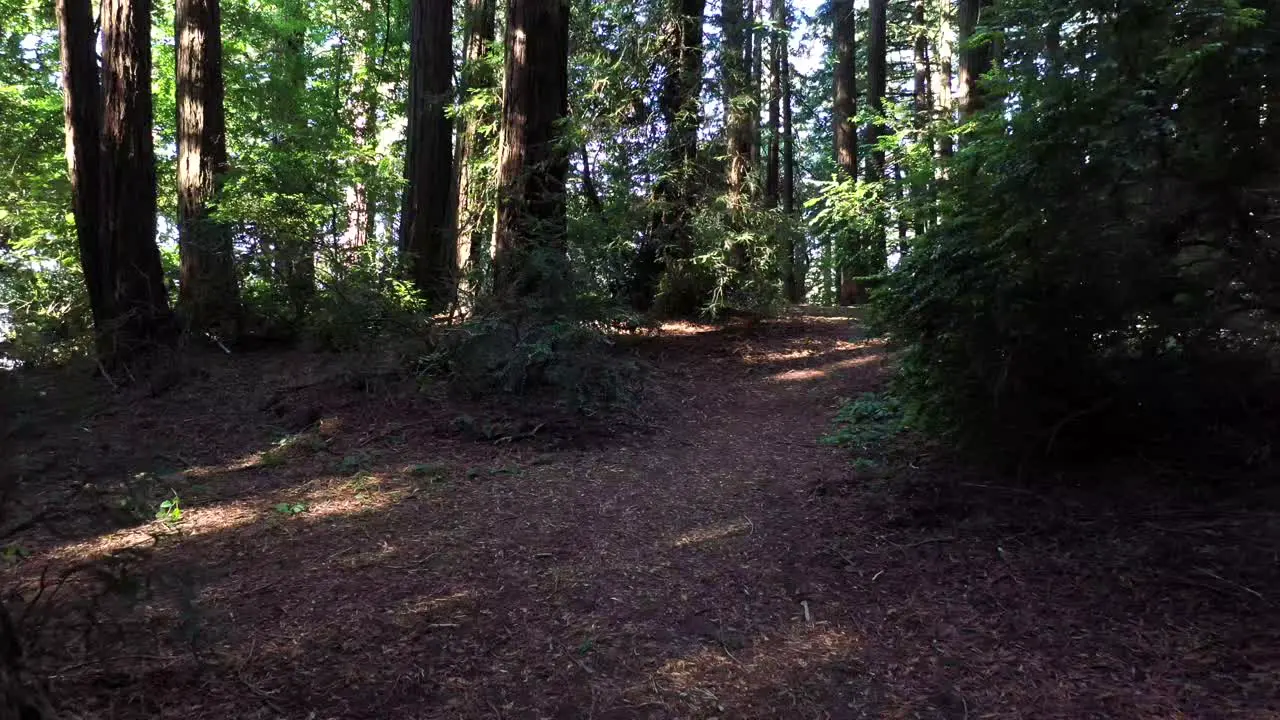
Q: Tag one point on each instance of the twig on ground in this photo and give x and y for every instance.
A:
(1209, 573)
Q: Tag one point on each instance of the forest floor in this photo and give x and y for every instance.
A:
(354, 545)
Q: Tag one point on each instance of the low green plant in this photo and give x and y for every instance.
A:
(290, 509)
(867, 425)
(170, 510)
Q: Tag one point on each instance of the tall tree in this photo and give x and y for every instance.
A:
(82, 106)
(758, 40)
(975, 57)
(668, 241)
(427, 221)
(777, 59)
(529, 234)
(208, 296)
(793, 279)
(843, 117)
(922, 103)
(845, 81)
(140, 318)
(942, 79)
(363, 107)
(735, 75)
(474, 142)
(877, 79)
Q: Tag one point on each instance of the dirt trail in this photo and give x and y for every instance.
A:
(717, 561)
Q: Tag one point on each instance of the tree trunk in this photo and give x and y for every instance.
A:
(943, 98)
(529, 235)
(777, 16)
(82, 106)
(922, 105)
(589, 189)
(975, 61)
(845, 106)
(735, 76)
(363, 106)
(757, 81)
(844, 114)
(668, 243)
(877, 77)
(473, 181)
(207, 292)
(793, 281)
(140, 319)
(427, 222)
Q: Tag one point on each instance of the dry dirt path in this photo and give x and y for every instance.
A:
(718, 562)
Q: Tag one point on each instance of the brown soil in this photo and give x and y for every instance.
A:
(405, 554)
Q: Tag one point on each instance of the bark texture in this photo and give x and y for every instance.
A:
(208, 295)
(140, 318)
(427, 222)
(82, 106)
(845, 107)
(975, 60)
(737, 99)
(529, 234)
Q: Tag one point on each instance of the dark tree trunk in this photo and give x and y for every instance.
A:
(529, 236)
(668, 242)
(877, 77)
(735, 76)
(589, 189)
(777, 15)
(82, 105)
(845, 108)
(140, 320)
(844, 114)
(474, 214)
(207, 293)
(427, 222)
(922, 102)
(757, 79)
(975, 61)
(793, 281)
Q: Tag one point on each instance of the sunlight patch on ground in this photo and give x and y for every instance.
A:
(806, 374)
(718, 531)
(718, 679)
(195, 521)
(685, 328)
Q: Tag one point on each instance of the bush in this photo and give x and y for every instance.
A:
(1106, 266)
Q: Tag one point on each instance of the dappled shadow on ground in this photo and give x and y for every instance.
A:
(706, 557)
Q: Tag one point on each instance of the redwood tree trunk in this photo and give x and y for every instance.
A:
(82, 106)
(845, 108)
(974, 61)
(140, 318)
(427, 222)
(474, 215)
(735, 78)
(922, 103)
(793, 280)
(777, 15)
(208, 295)
(877, 77)
(529, 236)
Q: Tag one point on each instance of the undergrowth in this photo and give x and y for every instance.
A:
(867, 426)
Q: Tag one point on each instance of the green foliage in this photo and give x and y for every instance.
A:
(170, 510)
(290, 509)
(1108, 252)
(867, 425)
(520, 354)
